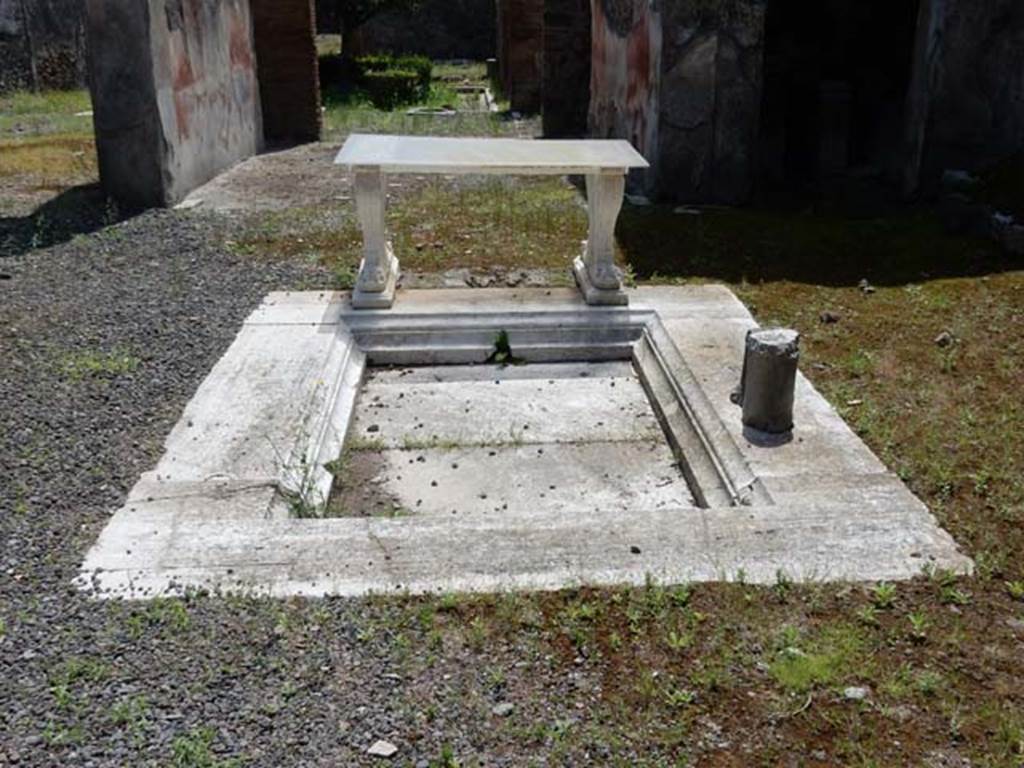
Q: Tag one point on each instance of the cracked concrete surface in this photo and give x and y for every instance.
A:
(486, 439)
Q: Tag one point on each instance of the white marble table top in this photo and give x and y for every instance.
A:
(430, 154)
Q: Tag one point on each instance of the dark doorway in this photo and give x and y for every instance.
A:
(835, 84)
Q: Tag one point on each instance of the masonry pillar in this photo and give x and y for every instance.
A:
(521, 52)
(286, 58)
(566, 89)
(175, 95)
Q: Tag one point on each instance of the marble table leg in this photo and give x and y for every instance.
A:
(598, 277)
(378, 272)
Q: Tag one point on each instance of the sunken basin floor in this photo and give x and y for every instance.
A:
(502, 440)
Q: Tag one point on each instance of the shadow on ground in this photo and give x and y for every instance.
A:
(76, 211)
(755, 245)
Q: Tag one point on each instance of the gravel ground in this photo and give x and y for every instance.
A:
(103, 340)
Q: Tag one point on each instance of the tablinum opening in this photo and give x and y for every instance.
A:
(836, 75)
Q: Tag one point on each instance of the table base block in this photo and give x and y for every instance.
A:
(377, 299)
(591, 293)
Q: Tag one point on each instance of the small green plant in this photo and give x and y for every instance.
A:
(447, 759)
(928, 682)
(193, 750)
(345, 275)
(919, 626)
(868, 615)
(301, 492)
(66, 676)
(677, 698)
(449, 602)
(131, 713)
(860, 363)
(948, 359)
(953, 596)
(477, 634)
(829, 656)
(949, 594)
(502, 354)
(678, 641)
(1010, 736)
(1014, 588)
(681, 595)
(783, 585)
(883, 596)
(170, 612)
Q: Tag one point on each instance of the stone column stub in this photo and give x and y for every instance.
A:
(768, 382)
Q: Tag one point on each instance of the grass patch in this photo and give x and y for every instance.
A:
(51, 162)
(90, 363)
(471, 72)
(45, 102)
(481, 224)
(831, 654)
(348, 111)
(27, 114)
(342, 118)
(747, 245)
(195, 750)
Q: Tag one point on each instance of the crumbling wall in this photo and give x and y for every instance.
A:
(175, 94)
(682, 81)
(288, 70)
(566, 88)
(625, 79)
(42, 44)
(977, 95)
(712, 69)
(521, 52)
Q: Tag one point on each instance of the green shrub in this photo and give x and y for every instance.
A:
(390, 88)
(377, 62)
(422, 66)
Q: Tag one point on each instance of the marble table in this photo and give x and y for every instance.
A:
(604, 163)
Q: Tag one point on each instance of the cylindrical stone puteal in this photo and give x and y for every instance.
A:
(768, 385)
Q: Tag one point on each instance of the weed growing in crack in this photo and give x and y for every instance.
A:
(502, 354)
(300, 489)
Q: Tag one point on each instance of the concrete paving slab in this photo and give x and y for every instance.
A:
(426, 374)
(260, 406)
(713, 350)
(566, 478)
(299, 308)
(882, 490)
(711, 302)
(503, 410)
(547, 550)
